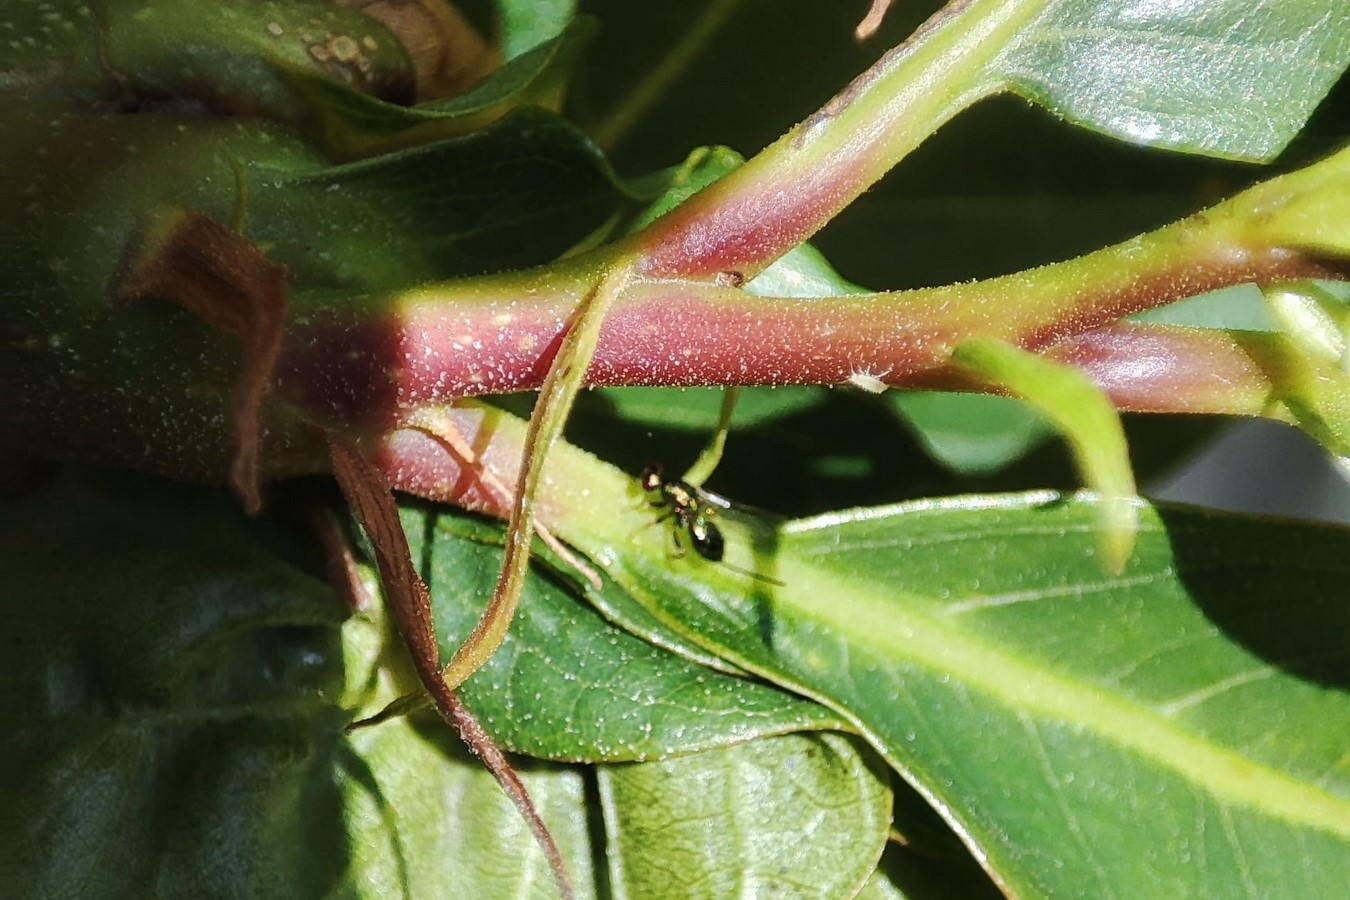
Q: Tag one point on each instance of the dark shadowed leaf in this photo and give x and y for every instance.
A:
(174, 723)
(518, 193)
(172, 710)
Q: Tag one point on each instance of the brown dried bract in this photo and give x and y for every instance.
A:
(230, 284)
(448, 54)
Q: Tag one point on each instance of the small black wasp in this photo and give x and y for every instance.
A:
(692, 508)
(694, 511)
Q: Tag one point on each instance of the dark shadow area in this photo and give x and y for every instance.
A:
(770, 65)
(1003, 187)
(1284, 604)
(919, 876)
(595, 825)
(351, 765)
(853, 449)
(1264, 468)
(169, 674)
(848, 450)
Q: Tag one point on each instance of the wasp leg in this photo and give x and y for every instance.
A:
(676, 550)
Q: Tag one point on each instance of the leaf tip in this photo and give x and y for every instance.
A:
(1118, 530)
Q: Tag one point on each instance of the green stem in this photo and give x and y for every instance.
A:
(639, 101)
(707, 461)
(1084, 416)
(556, 397)
(786, 193)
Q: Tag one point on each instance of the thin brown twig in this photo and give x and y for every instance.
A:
(872, 21)
(372, 501)
(441, 427)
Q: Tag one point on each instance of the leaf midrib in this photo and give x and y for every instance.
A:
(891, 623)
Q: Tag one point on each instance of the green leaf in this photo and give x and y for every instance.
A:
(1086, 418)
(1228, 78)
(352, 124)
(174, 720)
(515, 194)
(170, 709)
(525, 24)
(972, 433)
(696, 409)
(795, 816)
(565, 684)
(424, 521)
(1049, 709)
(1238, 308)
(426, 819)
(336, 74)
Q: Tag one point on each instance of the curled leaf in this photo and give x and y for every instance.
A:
(230, 284)
(1084, 415)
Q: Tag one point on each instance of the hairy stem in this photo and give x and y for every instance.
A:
(1165, 368)
(790, 190)
(500, 334)
(555, 402)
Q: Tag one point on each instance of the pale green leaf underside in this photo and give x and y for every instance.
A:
(971, 433)
(526, 24)
(426, 819)
(794, 816)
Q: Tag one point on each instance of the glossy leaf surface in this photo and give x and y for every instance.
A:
(566, 684)
(1047, 705)
(1179, 75)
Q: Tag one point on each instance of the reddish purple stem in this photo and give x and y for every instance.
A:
(370, 373)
